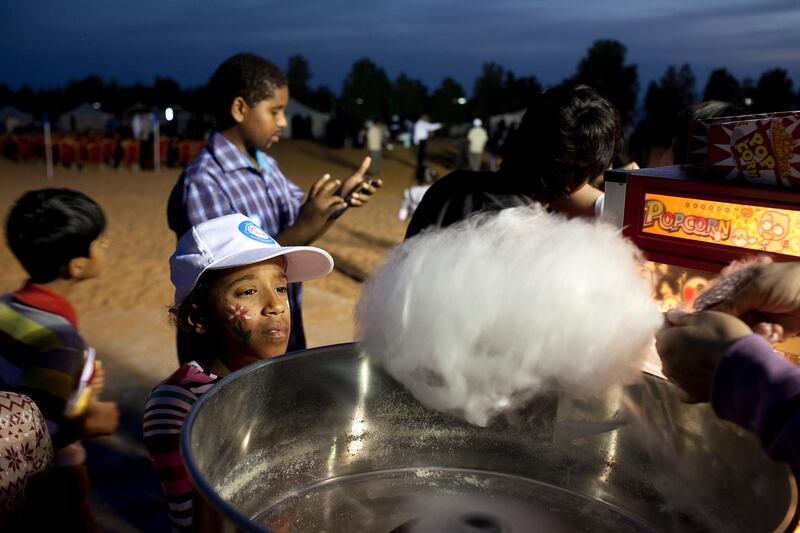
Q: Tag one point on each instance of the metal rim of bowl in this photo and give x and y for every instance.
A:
(790, 521)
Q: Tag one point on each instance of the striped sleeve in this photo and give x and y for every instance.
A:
(164, 414)
(42, 358)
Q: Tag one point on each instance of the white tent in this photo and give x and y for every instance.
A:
(12, 117)
(84, 117)
(319, 120)
(508, 118)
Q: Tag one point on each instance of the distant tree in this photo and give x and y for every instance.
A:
(723, 86)
(520, 91)
(6, 95)
(489, 91)
(299, 74)
(365, 91)
(603, 68)
(774, 91)
(673, 93)
(89, 89)
(26, 99)
(445, 106)
(408, 98)
(322, 99)
(166, 92)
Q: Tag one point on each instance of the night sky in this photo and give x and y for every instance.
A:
(47, 42)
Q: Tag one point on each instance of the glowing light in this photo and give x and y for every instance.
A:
(461, 100)
(96, 105)
(748, 101)
(169, 114)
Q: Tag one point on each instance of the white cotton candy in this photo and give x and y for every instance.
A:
(476, 318)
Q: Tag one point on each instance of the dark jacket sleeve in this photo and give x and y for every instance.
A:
(458, 196)
(759, 390)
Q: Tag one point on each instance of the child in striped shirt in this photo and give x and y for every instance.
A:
(58, 235)
(231, 307)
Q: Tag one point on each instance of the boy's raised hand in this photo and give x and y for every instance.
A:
(356, 189)
(315, 214)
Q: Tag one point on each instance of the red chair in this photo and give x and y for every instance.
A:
(184, 152)
(93, 153)
(131, 153)
(24, 149)
(107, 149)
(67, 150)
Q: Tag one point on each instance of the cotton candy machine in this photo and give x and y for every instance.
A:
(322, 440)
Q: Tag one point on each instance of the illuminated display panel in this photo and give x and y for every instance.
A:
(750, 227)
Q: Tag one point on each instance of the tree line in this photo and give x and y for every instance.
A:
(368, 93)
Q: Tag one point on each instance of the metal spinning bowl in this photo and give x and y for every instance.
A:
(322, 440)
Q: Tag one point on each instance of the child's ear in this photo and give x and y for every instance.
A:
(239, 109)
(76, 268)
(196, 320)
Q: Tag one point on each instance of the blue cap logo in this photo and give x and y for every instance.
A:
(251, 231)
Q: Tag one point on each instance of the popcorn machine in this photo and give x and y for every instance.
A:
(739, 196)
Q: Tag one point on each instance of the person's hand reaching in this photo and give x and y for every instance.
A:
(769, 300)
(691, 346)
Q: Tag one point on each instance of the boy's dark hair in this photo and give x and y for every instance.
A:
(48, 228)
(247, 75)
(700, 111)
(568, 135)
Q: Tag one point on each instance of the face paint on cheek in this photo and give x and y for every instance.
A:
(237, 315)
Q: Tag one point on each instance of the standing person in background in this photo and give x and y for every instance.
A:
(413, 196)
(375, 145)
(395, 128)
(496, 144)
(233, 174)
(422, 130)
(477, 138)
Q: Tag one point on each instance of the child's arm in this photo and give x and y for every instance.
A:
(578, 204)
(100, 418)
(52, 382)
(327, 199)
(315, 214)
(205, 200)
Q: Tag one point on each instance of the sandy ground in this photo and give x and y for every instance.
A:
(123, 313)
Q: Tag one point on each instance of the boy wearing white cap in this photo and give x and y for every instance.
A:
(477, 138)
(231, 307)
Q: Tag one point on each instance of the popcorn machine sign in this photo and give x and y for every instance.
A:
(743, 226)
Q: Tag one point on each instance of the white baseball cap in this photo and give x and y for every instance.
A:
(235, 240)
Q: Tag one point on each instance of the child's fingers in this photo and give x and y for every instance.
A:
(370, 186)
(320, 184)
(364, 167)
(328, 189)
(336, 206)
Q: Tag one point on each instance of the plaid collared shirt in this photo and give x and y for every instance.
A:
(222, 181)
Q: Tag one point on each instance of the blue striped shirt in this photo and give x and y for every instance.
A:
(221, 181)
